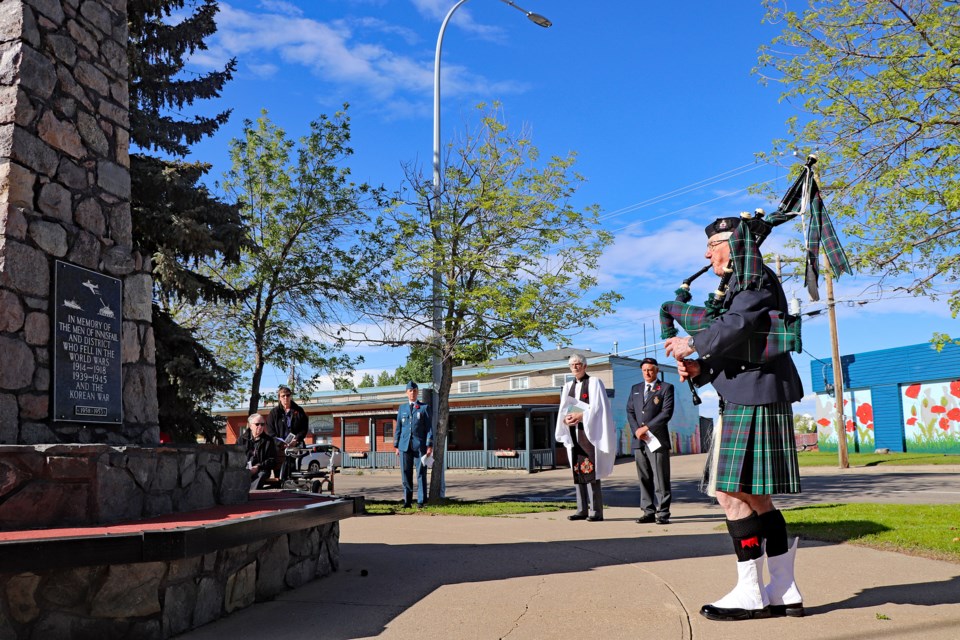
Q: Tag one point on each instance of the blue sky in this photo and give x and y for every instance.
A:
(657, 99)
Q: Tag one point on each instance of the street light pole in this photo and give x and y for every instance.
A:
(436, 367)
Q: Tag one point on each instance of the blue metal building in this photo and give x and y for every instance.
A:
(901, 399)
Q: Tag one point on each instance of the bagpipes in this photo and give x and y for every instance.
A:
(781, 334)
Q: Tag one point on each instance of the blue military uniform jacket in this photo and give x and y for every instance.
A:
(738, 381)
(414, 430)
(655, 412)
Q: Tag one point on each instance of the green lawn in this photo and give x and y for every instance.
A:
(931, 531)
(832, 459)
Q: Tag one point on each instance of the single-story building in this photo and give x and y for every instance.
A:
(901, 399)
(502, 415)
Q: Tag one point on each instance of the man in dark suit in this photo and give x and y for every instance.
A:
(755, 456)
(649, 409)
(413, 439)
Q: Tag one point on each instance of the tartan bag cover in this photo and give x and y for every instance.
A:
(783, 334)
(780, 337)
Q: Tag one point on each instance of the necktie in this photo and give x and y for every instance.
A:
(647, 392)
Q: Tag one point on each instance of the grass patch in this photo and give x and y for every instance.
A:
(466, 508)
(832, 459)
(931, 531)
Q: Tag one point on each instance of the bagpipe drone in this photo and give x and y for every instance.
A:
(782, 334)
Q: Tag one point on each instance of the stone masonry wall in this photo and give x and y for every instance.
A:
(65, 194)
(73, 485)
(154, 600)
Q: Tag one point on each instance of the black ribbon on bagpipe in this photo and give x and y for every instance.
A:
(783, 333)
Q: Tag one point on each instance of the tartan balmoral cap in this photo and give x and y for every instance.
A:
(720, 225)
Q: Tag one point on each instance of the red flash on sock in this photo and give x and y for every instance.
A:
(750, 542)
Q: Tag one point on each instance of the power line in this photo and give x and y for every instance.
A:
(706, 182)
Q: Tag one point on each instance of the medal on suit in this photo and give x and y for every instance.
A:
(656, 399)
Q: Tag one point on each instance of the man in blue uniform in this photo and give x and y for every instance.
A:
(756, 455)
(413, 438)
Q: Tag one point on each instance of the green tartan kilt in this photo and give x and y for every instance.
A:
(757, 450)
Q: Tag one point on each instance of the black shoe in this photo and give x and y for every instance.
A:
(663, 520)
(595, 519)
(711, 612)
(646, 518)
(788, 610)
(577, 516)
(419, 505)
(406, 505)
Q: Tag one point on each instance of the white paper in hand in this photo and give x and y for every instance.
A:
(427, 460)
(652, 442)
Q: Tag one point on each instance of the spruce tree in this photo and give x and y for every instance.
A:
(176, 220)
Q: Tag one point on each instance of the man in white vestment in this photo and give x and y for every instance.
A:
(585, 427)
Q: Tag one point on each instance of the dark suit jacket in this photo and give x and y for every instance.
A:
(655, 412)
(414, 431)
(277, 422)
(738, 381)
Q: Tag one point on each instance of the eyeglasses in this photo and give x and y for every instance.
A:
(261, 423)
(575, 365)
(714, 243)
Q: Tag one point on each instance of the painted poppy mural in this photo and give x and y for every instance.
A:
(858, 421)
(931, 417)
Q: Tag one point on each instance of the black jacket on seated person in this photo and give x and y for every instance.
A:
(264, 453)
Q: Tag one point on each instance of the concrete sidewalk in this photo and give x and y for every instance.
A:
(542, 577)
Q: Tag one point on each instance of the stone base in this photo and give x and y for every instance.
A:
(44, 486)
(154, 600)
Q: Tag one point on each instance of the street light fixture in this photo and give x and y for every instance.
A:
(537, 19)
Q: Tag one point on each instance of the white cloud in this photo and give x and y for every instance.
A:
(356, 52)
(462, 18)
(279, 6)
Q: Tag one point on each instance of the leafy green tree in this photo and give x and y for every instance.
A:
(302, 214)
(366, 381)
(176, 220)
(417, 368)
(878, 84)
(804, 423)
(514, 260)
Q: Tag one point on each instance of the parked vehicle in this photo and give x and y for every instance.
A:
(321, 456)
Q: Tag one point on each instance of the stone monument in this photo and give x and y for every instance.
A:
(65, 199)
(78, 400)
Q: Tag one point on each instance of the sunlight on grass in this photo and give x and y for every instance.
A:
(931, 531)
(831, 459)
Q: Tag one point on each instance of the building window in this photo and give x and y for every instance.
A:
(321, 424)
(471, 386)
(351, 428)
(519, 382)
(560, 379)
(388, 429)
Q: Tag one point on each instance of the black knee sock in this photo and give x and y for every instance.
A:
(775, 531)
(747, 534)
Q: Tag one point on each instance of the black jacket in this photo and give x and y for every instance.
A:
(655, 412)
(264, 452)
(277, 422)
(739, 381)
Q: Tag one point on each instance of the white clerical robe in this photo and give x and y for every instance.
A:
(597, 424)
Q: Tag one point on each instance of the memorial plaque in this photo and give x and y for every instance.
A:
(87, 316)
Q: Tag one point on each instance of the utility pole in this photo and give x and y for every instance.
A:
(837, 369)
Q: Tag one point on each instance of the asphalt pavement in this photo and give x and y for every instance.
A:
(539, 576)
